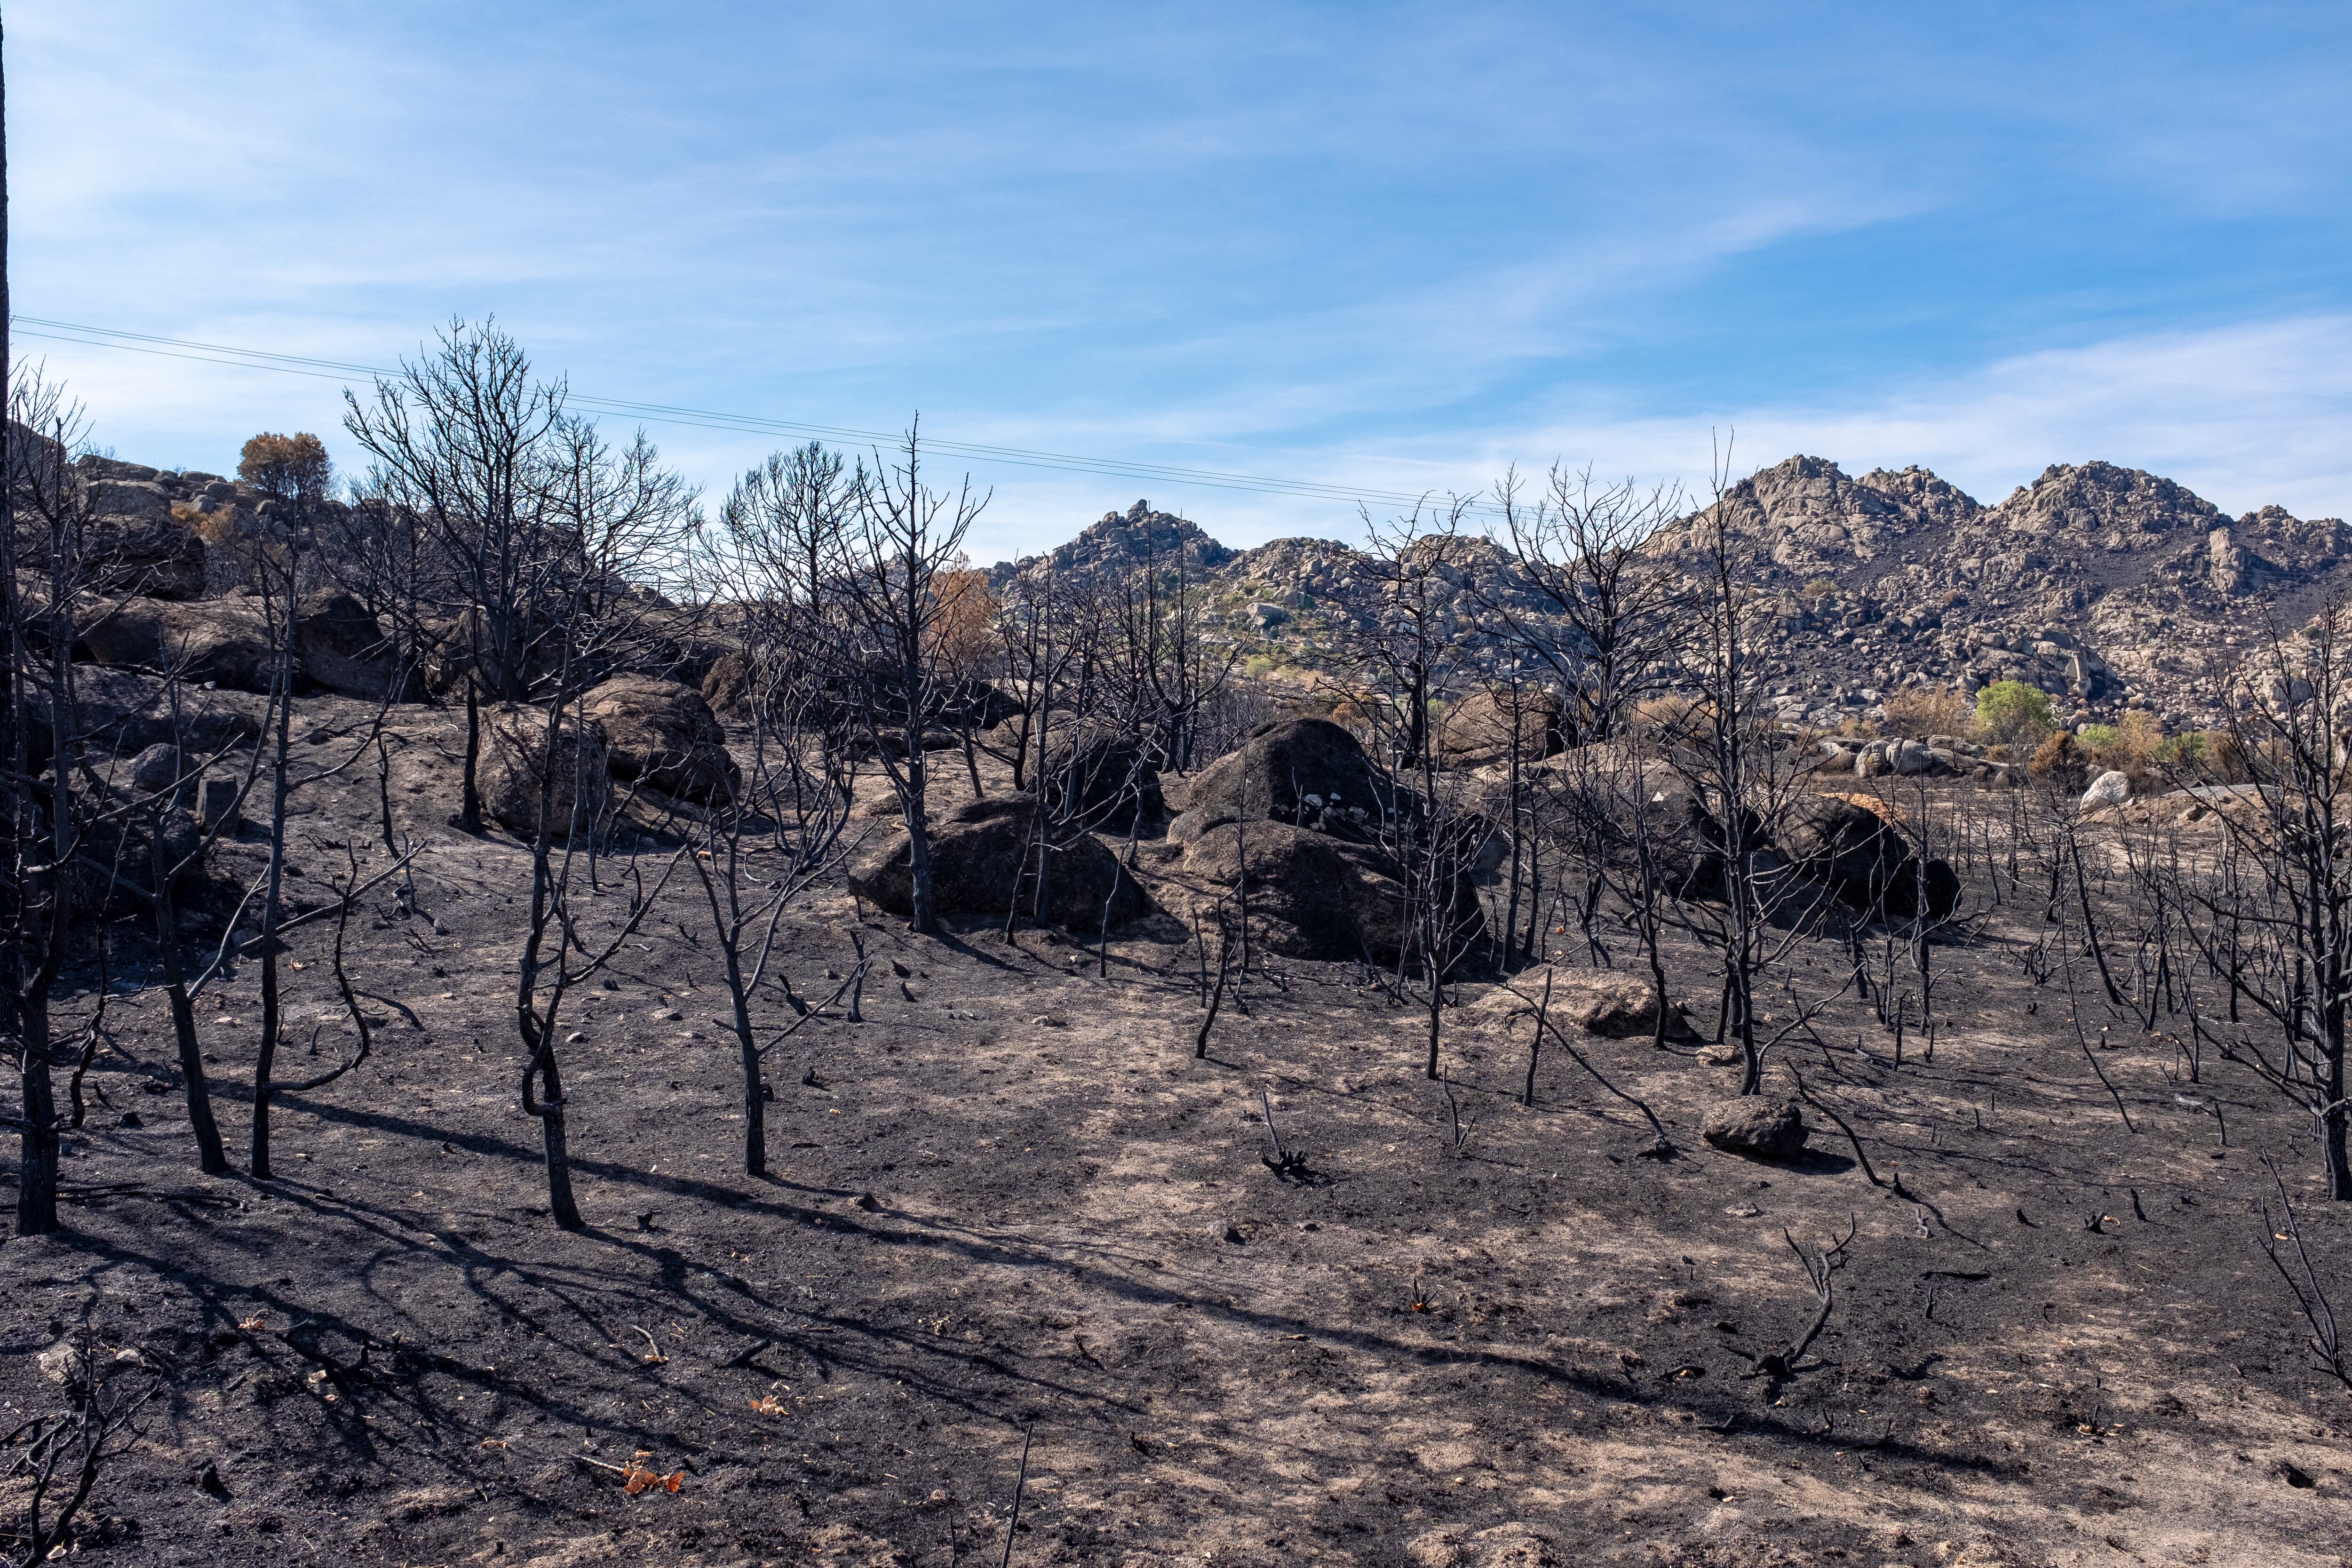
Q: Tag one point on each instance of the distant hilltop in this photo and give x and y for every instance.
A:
(2110, 587)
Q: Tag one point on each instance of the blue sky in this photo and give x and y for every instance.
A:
(1361, 245)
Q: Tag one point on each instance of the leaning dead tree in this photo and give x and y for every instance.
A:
(1820, 1268)
(2304, 1283)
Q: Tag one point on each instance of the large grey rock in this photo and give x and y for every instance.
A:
(125, 712)
(219, 640)
(1910, 758)
(159, 768)
(132, 544)
(985, 856)
(133, 500)
(1314, 895)
(893, 742)
(1307, 894)
(343, 648)
(1598, 1002)
(662, 734)
(680, 645)
(1305, 772)
(1756, 1126)
(1100, 777)
(516, 759)
(1017, 737)
(37, 464)
(94, 468)
(142, 556)
(1863, 859)
(2226, 562)
(728, 687)
(449, 650)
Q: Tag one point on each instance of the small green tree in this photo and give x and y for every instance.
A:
(2010, 711)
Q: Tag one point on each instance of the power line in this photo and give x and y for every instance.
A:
(347, 373)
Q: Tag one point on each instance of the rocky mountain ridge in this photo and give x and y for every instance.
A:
(2108, 587)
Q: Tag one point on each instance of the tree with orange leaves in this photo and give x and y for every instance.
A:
(965, 632)
(963, 638)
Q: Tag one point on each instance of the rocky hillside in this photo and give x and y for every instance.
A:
(2108, 587)
(1289, 598)
(1121, 543)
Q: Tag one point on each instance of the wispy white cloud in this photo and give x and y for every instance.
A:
(2247, 414)
(1375, 245)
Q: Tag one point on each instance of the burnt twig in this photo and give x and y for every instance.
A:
(1019, 1481)
(2326, 1339)
(1217, 996)
(1778, 1365)
(1282, 1163)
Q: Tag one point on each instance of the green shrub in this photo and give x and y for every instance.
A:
(2009, 711)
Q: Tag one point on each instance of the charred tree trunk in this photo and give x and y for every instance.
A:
(37, 1147)
(469, 809)
(265, 1058)
(538, 1029)
(918, 828)
(212, 1155)
(755, 1099)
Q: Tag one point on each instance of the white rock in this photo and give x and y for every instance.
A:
(2110, 788)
